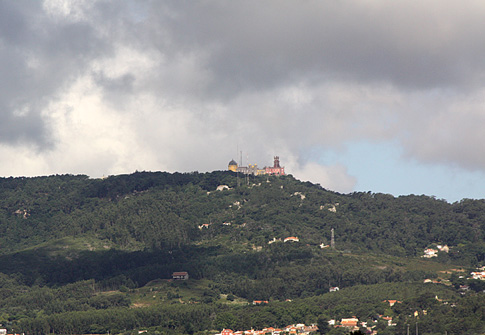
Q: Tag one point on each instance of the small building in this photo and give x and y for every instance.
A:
(227, 332)
(260, 302)
(222, 188)
(333, 289)
(269, 330)
(274, 240)
(392, 302)
(443, 248)
(313, 328)
(429, 253)
(183, 275)
(478, 275)
(291, 239)
(349, 322)
(389, 320)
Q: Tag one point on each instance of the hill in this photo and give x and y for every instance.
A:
(75, 245)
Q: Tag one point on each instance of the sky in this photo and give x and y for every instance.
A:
(371, 95)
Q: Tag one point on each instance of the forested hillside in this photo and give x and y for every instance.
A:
(154, 211)
(66, 241)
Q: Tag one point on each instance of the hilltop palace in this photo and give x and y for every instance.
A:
(276, 169)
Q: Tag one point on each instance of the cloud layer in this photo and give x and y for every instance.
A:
(101, 87)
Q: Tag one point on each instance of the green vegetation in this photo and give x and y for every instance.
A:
(80, 255)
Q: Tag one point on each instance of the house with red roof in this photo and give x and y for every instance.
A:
(349, 322)
(392, 302)
(182, 275)
(227, 332)
(260, 302)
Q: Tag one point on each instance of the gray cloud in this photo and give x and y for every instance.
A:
(39, 56)
(256, 45)
(275, 77)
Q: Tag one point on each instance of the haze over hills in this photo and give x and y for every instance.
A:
(80, 238)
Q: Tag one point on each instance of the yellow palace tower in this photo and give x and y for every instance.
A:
(232, 166)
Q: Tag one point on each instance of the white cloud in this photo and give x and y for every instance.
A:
(334, 177)
(92, 138)
(72, 9)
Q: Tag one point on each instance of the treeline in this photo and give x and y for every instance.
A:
(176, 318)
(450, 313)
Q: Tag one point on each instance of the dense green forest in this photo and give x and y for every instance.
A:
(81, 255)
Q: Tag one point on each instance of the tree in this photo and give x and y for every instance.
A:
(322, 324)
(225, 320)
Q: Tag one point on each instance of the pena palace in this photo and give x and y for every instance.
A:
(253, 169)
